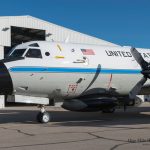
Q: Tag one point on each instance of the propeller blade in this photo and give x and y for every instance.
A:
(138, 57)
(137, 88)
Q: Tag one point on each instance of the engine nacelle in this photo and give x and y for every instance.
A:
(91, 104)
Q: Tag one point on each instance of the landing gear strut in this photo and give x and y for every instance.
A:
(43, 116)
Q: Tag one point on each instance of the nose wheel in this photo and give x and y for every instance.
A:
(43, 116)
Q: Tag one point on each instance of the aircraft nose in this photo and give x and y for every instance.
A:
(6, 86)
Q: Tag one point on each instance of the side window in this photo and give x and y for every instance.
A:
(34, 53)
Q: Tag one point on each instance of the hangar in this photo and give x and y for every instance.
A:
(17, 29)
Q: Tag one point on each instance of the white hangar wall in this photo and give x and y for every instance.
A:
(58, 33)
(1, 52)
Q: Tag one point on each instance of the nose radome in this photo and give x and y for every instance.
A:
(6, 86)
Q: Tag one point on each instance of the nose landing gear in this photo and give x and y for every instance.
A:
(43, 116)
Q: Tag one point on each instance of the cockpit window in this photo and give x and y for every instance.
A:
(34, 53)
(34, 45)
(17, 53)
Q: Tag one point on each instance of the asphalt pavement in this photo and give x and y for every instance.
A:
(75, 130)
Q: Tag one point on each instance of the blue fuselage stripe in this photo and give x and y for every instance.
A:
(74, 70)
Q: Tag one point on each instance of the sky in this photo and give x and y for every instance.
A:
(123, 22)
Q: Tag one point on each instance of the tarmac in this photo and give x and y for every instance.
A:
(75, 130)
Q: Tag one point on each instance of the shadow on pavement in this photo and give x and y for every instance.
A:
(66, 118)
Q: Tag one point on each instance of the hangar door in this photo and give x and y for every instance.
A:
(20, 35)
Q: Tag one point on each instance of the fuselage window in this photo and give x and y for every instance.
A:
(47, 53)
(34, 45)
(17, 53)
(34, 53)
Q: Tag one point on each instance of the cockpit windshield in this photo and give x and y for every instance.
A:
(34, 53)
(17, 53)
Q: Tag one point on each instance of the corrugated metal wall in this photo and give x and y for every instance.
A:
(1, 52)
(58, 33)
(4, 34)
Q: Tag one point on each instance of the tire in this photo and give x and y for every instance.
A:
(43, 117)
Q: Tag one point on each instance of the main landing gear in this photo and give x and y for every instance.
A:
(43, 116)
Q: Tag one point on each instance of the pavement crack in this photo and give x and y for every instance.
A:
(118, 145)
(114, 147)
(44, 144)
(110, 139)
(19, 131)
(28, 134)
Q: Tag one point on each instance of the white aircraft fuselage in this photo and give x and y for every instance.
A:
(70, 70)
(86, 77)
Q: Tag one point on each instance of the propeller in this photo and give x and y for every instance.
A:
(138, 57)
(145, 66)
(137, 88)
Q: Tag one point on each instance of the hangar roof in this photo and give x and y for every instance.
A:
(53, 32)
